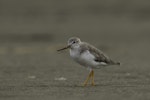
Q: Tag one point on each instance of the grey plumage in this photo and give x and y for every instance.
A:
(99, 55)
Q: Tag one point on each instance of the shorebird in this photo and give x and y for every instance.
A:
(88, 56)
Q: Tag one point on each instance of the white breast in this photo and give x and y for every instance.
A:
(74, 53)
(86, 58)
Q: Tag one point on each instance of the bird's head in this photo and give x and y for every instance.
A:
(73, 42)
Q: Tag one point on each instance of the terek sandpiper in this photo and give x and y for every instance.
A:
(88, 56)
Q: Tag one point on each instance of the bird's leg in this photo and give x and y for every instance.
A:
(86, 81)
(92, 75)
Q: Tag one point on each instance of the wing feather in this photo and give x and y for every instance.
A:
(99, 55)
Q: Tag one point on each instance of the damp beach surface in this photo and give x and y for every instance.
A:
(36, 71)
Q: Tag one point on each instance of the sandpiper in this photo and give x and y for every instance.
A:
(88, 56)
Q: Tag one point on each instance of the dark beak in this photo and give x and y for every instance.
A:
(64, 48)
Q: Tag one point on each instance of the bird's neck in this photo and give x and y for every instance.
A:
(75, 47)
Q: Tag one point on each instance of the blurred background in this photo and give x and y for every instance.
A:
(32, 30)
(57, 20)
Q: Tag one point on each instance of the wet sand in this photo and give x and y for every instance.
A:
(35, 71)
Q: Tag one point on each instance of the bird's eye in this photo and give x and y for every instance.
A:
(74, 42)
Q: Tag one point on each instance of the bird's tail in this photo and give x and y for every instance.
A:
(115, 63)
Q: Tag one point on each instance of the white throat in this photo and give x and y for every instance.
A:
(75, 51)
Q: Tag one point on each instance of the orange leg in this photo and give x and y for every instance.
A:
(86, 81)
(91, 75)
(93, 83)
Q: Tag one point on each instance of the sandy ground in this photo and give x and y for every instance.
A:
(36, 71)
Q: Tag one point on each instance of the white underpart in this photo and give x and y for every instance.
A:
(86, 58)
